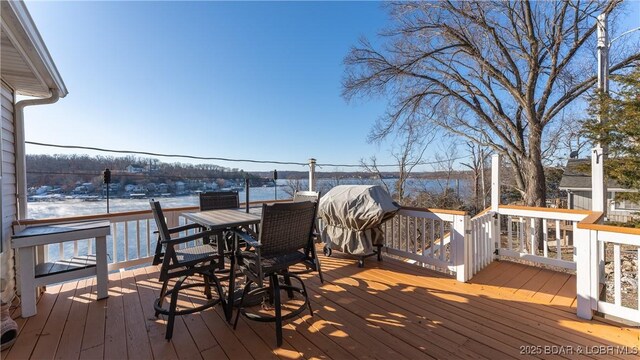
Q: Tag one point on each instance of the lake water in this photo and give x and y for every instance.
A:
(75, 207)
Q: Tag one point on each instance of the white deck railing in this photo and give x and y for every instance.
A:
(448, 241)
(430, 237)
(599, 246)
(131, 243)
(523, 228)
(573, 240)
(483, 227)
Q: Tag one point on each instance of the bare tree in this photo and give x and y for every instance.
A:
(494, 72)
(371, 166)
(293, 185)
(446, 195)
(408, 151)
(479, 156)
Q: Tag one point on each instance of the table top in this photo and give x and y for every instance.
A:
(223, 218)
(51, 233)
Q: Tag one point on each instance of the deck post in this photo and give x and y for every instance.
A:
(312, 174)
(494, 230)
(582, 242)
(495, 182)
(459, 245)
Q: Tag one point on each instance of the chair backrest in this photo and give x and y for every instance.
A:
(163, 229)
(214, 200)
(299, 196)
(287, 227)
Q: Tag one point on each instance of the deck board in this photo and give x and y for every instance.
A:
(31, 329)
(388, 309)
(93, 337)
(48, 342)
(115, 340)
(69, 346)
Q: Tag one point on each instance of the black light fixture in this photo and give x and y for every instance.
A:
(106, 178)
(275, 184)
(246, 192)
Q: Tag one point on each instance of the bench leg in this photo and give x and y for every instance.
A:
(27, 281)
(102, 275)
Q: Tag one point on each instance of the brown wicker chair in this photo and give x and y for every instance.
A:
(286, 239)
(300, 196)
(213, 200)
(182, 262)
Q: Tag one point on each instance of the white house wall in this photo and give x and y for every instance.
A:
(8, 198)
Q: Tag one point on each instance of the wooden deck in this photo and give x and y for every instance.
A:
(388, 310)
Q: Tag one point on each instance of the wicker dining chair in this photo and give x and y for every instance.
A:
(300, 196)
(213, 200)
(286, 234)
(181, 262)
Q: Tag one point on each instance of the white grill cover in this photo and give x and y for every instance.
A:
(352, 215)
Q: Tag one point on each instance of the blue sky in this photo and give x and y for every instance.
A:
(215, 79)
(235, 80)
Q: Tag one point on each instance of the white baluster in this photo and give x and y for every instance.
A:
(617, 274)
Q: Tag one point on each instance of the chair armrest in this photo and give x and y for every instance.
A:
(183, 239)
(176, 229)
(247, 238)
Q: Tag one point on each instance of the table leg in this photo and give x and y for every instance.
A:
(222, 245)
(27, 281)
(232, 282)
(101, 267)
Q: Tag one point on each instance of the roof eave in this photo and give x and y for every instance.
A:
(47, 68)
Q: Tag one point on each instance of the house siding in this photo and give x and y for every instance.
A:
(8, 205)
(582, 201)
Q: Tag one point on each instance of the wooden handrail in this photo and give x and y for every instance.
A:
(481, 213)
(532, 208)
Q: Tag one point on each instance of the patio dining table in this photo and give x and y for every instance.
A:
(226, 219)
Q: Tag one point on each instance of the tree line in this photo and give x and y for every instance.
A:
(67, 171)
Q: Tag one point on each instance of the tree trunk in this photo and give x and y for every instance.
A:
(535, 192)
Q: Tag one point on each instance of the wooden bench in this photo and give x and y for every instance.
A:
(32, 275)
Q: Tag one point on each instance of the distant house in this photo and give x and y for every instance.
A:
(162, 188)
(133, 169)
(180, 187)
(43, 190)
(576, 181)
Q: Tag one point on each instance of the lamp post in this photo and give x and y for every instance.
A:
(598, 154)
(107, 180)
(275, 184)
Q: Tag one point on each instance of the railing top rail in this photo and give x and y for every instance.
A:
(481, 213)
(591, 223)
(551, 210)
(544, 213)
(122, 214)
(435, 211)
